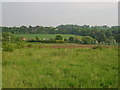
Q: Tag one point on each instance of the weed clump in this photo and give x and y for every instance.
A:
(97, 47)
(8, 47)
(29, 45)
(20, 45)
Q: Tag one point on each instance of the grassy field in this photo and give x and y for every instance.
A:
(60, 67)
(47, 36)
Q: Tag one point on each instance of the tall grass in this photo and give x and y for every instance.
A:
(60, 67)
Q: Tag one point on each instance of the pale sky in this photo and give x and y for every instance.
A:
(59, 0)
(56, 13)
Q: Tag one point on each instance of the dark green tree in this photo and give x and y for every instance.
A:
(58, 37)
(87, 40)
(37, 39)
(71, 39)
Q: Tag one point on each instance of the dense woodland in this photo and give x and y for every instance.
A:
(102, 34)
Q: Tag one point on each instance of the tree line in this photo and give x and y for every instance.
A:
(102, 34)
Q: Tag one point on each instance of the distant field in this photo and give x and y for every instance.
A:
(47, 36)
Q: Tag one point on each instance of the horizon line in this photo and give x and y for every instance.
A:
(56, 25)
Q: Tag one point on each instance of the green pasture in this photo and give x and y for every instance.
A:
(47, 36)
(60, 68)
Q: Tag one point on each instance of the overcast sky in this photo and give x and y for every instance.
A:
(56, 13)
(60, 0)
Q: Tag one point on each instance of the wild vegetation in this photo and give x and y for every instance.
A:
(102, 34)
(44, 36)
(60, 67)
(67, 56)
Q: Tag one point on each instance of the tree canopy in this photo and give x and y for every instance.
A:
(99, 33)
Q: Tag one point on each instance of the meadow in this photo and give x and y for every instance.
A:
(47, 36)
(60, 68)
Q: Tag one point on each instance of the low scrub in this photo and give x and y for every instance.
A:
(97, 47)
(11, 46)
(29, 45)
(20, 45)
(8, 47)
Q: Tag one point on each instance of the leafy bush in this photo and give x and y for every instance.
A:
(29, 45)
(87, 40)
(71, 39)
(37, 39)
(8, 47)
(8, 36)
(20, 45)
(65, 39)
(58, 37)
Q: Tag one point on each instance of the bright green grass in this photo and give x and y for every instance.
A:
(60, 67)
(47, 36)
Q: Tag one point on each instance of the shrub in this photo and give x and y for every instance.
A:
(97, 47)
(50, 41)
(77, 41)
(8, 47)
(37, 39)
(29, 45)
(87, 40)
(71, 39)
(20, 45)
(8, 37)
(65, 39)
(58, 37)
